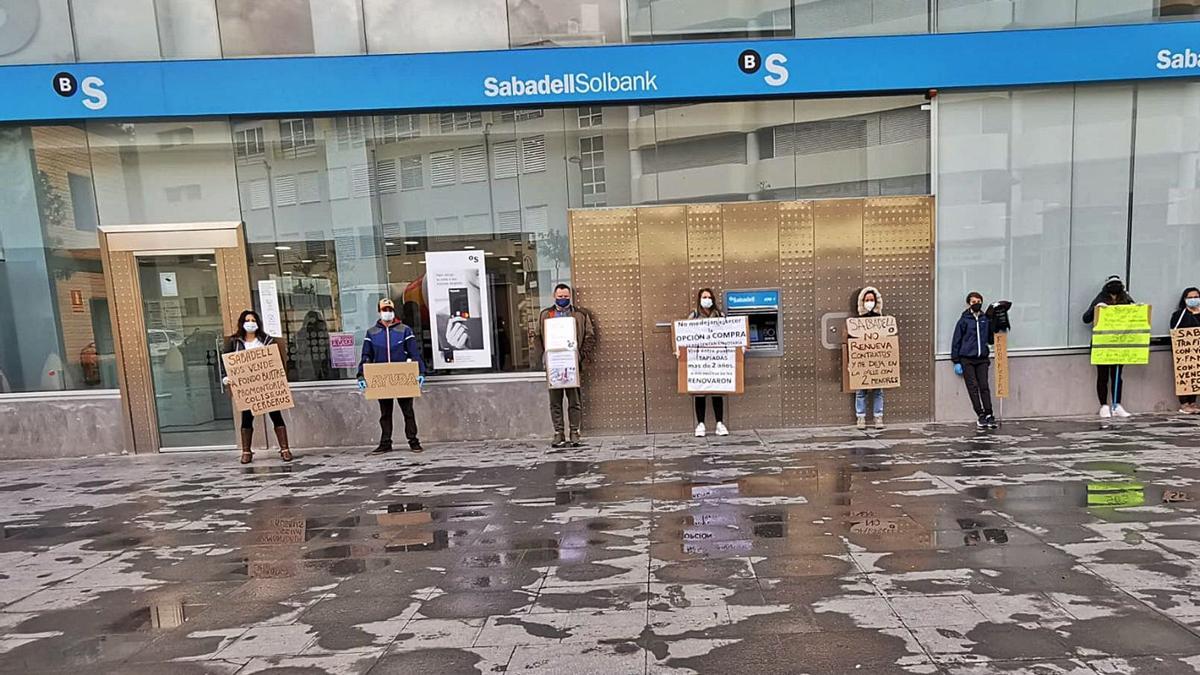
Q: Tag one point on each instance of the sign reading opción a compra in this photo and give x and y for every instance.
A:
(588, 75)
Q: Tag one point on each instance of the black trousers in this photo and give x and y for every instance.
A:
(718, 405)
(975, 374)
(1105, 375)
(248, 419)
(385, 420)
(1187, 399)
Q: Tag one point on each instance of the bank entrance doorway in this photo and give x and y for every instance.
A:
(639, 268)
(178, 289)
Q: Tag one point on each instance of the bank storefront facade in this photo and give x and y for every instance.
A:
(154, 185)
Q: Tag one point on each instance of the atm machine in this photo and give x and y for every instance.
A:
(762, 307)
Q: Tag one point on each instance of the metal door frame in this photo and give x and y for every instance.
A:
(120, 246)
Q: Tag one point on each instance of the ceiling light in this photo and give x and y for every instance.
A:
(389, 243)
(407, 262)
(212, 264)
(504, 258)
(488, 253)
(306, 260)
(410, 242)
(421, 261)
(468, 247)
(283, 248)
(268, 255)
(516, 262)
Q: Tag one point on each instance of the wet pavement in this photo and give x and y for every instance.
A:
(1044, 547)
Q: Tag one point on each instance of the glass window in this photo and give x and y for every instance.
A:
(395, 128)
(592, 116)
(692, 19)
(820, 18)
(1166, 197)
(58, 334)
(249, 143)
(976, 15)
(150, 29)
(556, 23)
(145, 171)
(36, 31)
(411, 26)
(290, 27)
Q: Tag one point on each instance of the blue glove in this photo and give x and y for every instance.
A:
(362, 384)
(958, 369)
(421, 381)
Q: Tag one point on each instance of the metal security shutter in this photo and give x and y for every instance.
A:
(310, 188)
(533, 154)
(386, 173)
(258, 194)
(536, 218)
(361, 181)
(412, 175)
(442, 168)
(505, 159)
(472, 164)
(508, 222)
(285, 190)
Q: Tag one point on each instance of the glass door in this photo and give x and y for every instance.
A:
(181, 310)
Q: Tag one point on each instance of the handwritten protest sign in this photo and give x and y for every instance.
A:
(1001, 365)
(871, 326)
(1121, 336)
(711, 370)
(873, 363)
(392, 380)
(560, 333)
(562, 368)
(258, 380)
(1185, 347)
(717, 332)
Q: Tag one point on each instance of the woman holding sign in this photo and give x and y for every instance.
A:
(706, 308)
(869, 304)
(1113, 293)
(1187, 316)
(250, 335)
(390, 341)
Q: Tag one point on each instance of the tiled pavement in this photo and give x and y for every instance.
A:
(1045, 547)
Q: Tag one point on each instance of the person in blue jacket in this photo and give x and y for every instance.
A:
(970, 353)
(390, 341)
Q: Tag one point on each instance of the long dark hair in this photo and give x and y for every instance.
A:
(240, 333)
(1183, 296)
(716, 308)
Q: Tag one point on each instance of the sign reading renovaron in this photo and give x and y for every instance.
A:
(589, 75)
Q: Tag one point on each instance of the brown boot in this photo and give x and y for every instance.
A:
(247, 439)
(285, 453)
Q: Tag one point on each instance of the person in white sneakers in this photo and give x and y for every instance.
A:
(707, 308)
(1113, 293)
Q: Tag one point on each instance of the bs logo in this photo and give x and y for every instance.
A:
(93, 93)
(749, 61)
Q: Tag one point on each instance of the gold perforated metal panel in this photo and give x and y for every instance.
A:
(898, 258)
(837, 274)
(662, 235)
(129, 330)
(233, 281)
(606, 268)
(799, 320)
(750, 233)
(706, 250)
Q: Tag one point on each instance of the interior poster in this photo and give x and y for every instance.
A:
(459, 309)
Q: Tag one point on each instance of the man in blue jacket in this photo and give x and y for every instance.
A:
(969, 351)
(390, 341)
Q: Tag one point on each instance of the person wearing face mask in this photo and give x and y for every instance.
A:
(585, 337)
(706, 308)
(970, 353)
(250, 335)
(870, 303)
(1187, 316)
(391, 341)
(1113, 293)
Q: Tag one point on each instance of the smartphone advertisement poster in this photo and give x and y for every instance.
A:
(459, 309)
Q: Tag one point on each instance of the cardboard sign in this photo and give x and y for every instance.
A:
(392, 380)
(873, 363)
(560, 333)
(1121, 336)
(341, 350)
(733, 331)
(872, 327)
(711, 370)
(258, 380)
(1001, 350)
(1185, 348)
(268, 299)
(562, 368)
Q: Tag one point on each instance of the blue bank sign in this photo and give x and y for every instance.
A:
(767, 299)
(618, 74)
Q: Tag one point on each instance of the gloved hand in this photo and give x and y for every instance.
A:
(958, 369)
(225, 380)
(421, 381)
(362, 384)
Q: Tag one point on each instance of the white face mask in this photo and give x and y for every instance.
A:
(387, 316)
(250, 327)
(870, 305)
(706, 303)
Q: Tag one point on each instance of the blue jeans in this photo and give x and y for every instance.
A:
(860, 402)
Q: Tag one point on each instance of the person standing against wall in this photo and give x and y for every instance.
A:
(391, 341)
(1187, 316)
(1113, 293)
(971, 356)
(707, 308)
(250, 335)
(585, 337)
(870, 303)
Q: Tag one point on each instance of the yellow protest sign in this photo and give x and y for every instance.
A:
(1185, 348)
(1121, 336)
(1121, 339)
(1123, 317)
(1120, 356)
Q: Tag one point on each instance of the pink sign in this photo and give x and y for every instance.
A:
(341, 350)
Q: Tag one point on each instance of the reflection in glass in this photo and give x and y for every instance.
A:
(36, 31)
(699, 19)
(555, 23)
(290, 27)
(412, 26)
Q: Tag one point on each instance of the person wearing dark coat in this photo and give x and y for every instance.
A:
(1113, 293)
(1187, 316)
